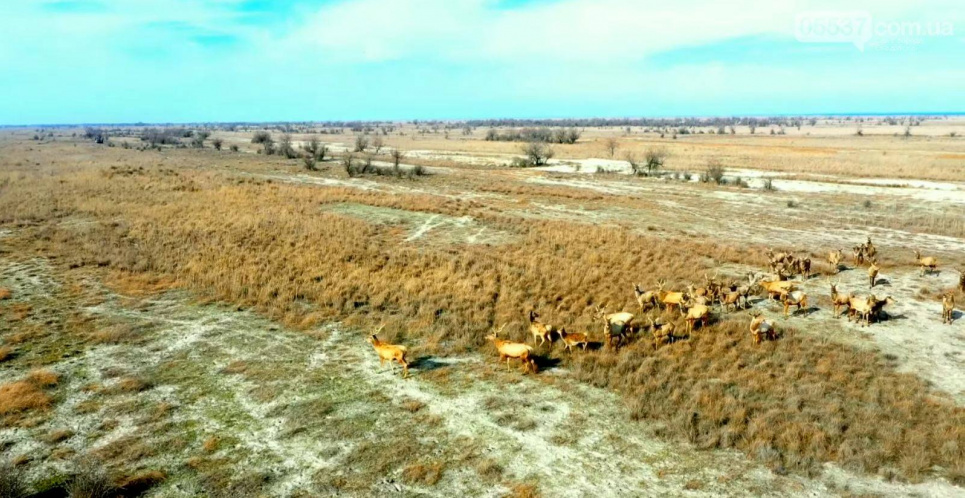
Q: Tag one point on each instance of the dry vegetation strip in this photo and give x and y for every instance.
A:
(795, 402)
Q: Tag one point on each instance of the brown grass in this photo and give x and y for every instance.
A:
(429, 474)
(793, 403)
(6, 352)
(43, 378)
(22, 396)
(5, 294)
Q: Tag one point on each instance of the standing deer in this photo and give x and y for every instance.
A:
(390, 352)
(793, 298)
(873, 272)
(615, 325)
(508, 350)
(834, 259)
(948, 307)
(646, 299)
(930, 263)
(838, 300)
(662, 332)
(538, 330)
(575, 339)
(667, 298)
(761, 329)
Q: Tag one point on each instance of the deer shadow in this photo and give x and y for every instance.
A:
(882, 281)
(427, 364)
(546, 362)
(805, 312)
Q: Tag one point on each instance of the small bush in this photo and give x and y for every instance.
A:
(217, 143)
(6, 352)
(769, 185)
(537, 153)
(90, 480)
(12, 482)
(792, 203)
(5, 294)
(22, 396)
(43, 378)
(714, 173)
(234, 148)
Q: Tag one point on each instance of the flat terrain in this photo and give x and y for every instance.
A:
(191, 322)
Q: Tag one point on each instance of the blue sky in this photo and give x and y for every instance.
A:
(83, 61)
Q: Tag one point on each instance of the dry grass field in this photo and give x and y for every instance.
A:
(191, 322)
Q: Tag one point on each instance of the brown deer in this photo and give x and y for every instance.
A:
(662, 332)
(793, 298)
(928, 263)
(574, 339)
(390, 352)
(539, 330)
(948, 307)
(838, 300)
(834, 259)
(615, 325)
(873, 272)
(509, 350)
(646, 299)
(761, 329)
(667, 298)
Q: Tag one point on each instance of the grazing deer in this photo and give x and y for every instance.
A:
(538, 330)
(570, 340)
(948, 307)
(667, 298)
(390, 352)
(662, 332)
(615, 325)
(930, 263)
(509, 350)
(834, 259)
(761, 329)
(793, 298)
(873, 272)
(838, 300)
(647, 300)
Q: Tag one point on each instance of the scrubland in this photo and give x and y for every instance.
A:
(250, 284)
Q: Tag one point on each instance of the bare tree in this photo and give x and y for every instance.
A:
(537, 153)
(611, 145)
(217, 143)
(654, 159)
(285, 147)
(377, 144)
(397, 157)
(361, 143)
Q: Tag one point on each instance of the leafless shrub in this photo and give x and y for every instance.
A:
(361, 143)
(654, 159)
(12, 482)
(537, 153)
(377, 144)
(285, 147)
(611, 145)
(217, 143)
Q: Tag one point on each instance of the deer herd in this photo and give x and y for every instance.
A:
(695, 306)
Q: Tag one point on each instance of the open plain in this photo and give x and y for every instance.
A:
(182, 320)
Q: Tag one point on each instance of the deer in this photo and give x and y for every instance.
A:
(574, 339)
(667, 298)
(873, 272)
(761, 328)
(695, 312)
(538, 330)
(390, 352)
(803, 266)
(834, 259)
(878, 306)
(662, 332)
(615, 325)
(646, 299)
(774, 288)
(508, 350)
(928, 263)
(793, 298)
(948, 307)
(860, 307)
(838, 300)
(731, 299)
(857, 253)
(869, 248)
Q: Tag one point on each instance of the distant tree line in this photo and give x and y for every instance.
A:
(542, 135)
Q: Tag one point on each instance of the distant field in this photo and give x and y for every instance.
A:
(190, 321)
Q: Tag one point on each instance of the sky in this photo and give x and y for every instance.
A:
(167, 61)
